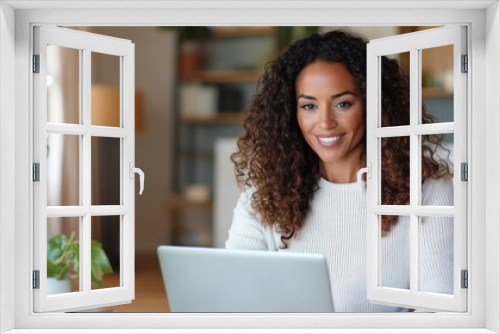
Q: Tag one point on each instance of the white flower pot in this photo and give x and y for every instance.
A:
(55, 286)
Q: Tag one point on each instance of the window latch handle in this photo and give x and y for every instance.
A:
(366, 170)
(138, 171)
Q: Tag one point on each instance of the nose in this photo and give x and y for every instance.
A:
(326, 119)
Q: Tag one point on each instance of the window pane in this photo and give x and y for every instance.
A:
(395, 252)
(105, 171)
(63, 85)
(437, 170)
(63, 255)
(395, 98)
(63, 169)
(395, 172)
(436, 254)
(106, 100)
(105, 252)
(437, 84)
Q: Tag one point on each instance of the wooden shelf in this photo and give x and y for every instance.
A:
(221, 76)
(230, 32)
(197, 154)
(218, 118)
(436, 92)
(176, 201)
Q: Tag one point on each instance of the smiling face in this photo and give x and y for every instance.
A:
(330, 114)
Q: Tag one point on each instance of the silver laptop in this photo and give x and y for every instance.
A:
(219, 280)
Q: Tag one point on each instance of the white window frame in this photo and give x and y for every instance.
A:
(16, 216)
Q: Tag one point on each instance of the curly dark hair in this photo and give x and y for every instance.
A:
(274, 158)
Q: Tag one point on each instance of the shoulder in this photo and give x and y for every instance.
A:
(244, 204)
(438, 191)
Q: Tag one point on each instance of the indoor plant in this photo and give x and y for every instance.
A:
(63, 263)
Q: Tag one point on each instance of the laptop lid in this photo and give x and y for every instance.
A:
(220, 280)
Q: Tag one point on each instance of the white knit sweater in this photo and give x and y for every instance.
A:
(336, 227)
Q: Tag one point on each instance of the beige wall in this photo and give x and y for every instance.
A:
(154, 76)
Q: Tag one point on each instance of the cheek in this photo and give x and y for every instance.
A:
(355, 122)
(304, 123)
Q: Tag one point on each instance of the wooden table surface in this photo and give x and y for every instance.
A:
(149, 289)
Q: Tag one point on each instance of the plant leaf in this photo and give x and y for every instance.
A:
(100, 263)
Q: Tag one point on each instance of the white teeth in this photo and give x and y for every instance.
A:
(328, 140)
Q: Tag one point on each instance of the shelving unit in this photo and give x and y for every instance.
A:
(238, 32)
(218, 118)
(223, 76)
(436, 92)
(232, 60)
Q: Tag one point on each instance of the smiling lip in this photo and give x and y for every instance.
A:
(329, 140)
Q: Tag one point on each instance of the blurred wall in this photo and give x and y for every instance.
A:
(155, 52)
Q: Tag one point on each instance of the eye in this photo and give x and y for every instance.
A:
(308, 106)
(343, 104)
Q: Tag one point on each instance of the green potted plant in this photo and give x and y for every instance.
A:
(63, 263)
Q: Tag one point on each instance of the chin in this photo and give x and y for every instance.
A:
(328, 159)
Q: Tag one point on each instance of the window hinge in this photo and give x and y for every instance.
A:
(36, 172)
(36, 279)
(465, 279)
(36, 63)
(464, 171)
(465, 64)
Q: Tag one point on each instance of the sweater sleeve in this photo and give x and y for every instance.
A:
(437, 238)
(246, 232)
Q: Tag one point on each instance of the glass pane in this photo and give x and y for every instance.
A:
(395, 252)
(105, 252)
(63, 84)
(105, 90)
(63, 169)
(105, 171)
(436, 254)
(437, 84)
(437, 170)
(395, 171)
(395, 106)
(63, 255)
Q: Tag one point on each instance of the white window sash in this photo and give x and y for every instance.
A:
(413, 42)
(86, 297)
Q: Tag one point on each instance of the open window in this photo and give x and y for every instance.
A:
(16, 159)
(445, 255)
(72, 128)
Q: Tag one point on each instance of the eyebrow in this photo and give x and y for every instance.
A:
(309, 97)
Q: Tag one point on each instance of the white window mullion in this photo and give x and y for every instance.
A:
(433, 129)
(406, 210)
(86, 163)
(67, 129)
(426, 129)
(109, 132)
(80, 211)
(66, 211)
(109, 210)
(80, 130)
(415, 117)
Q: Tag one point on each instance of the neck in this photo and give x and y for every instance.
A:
(340, 174)
(344, 171)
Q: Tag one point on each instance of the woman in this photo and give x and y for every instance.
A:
(305, 141)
